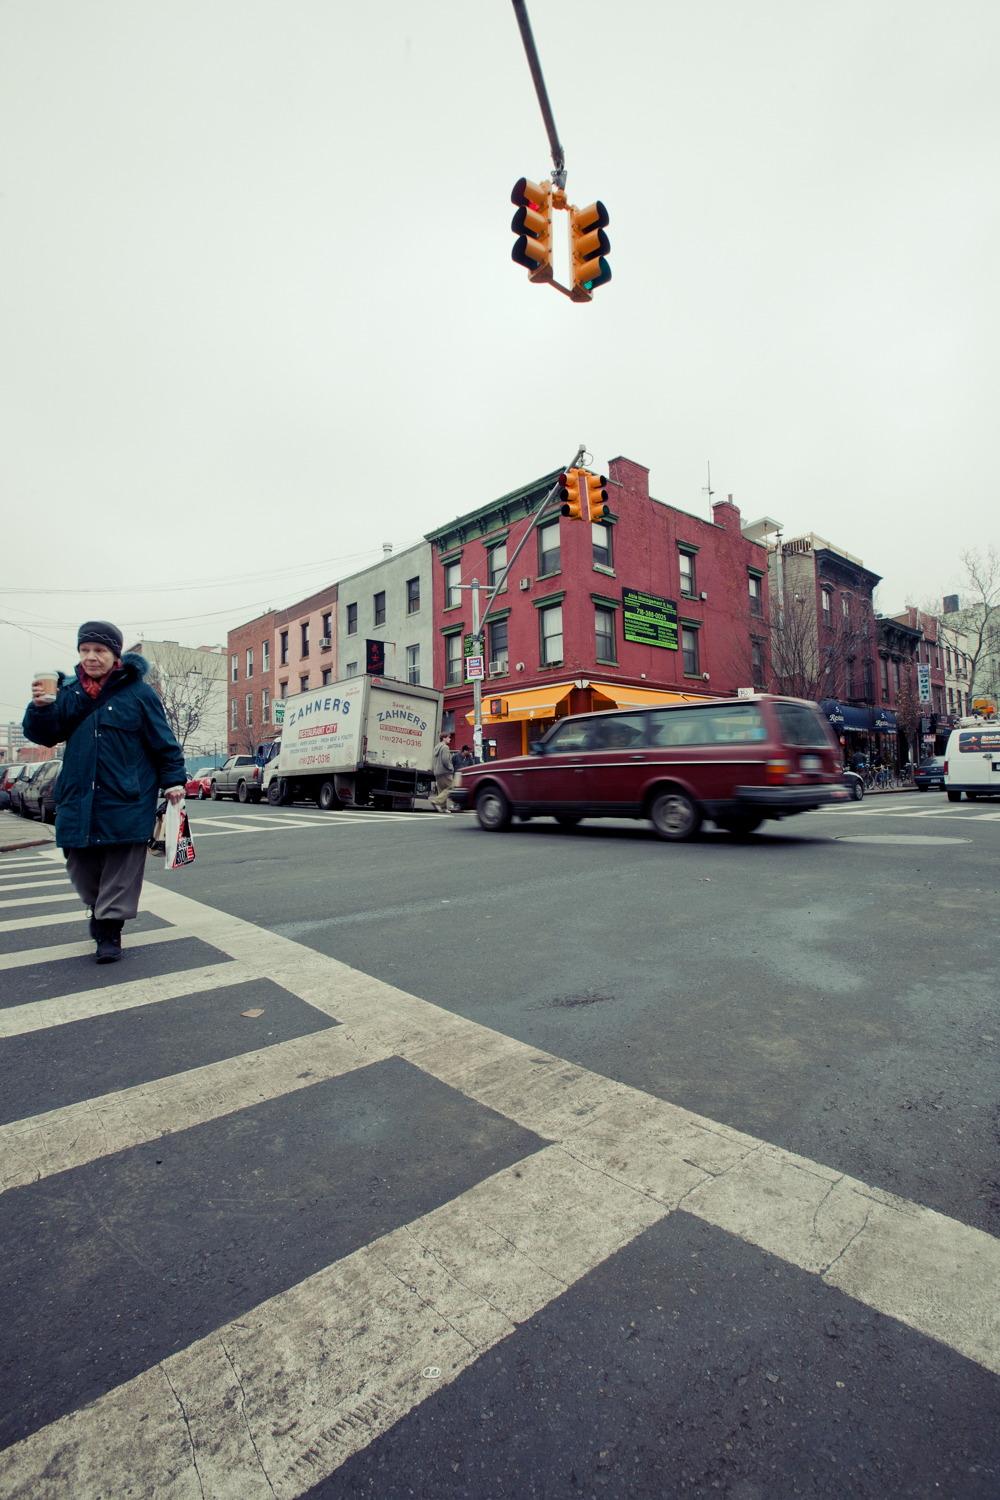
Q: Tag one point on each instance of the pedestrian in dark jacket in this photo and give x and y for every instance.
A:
(119, 753)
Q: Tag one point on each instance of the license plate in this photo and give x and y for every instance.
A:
(811, 763)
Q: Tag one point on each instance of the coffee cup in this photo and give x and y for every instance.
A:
(48, 680)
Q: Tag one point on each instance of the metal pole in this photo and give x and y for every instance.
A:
(477, 686)
(558, 154)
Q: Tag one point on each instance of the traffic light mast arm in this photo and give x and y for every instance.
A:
(558, 154)
(550, 495)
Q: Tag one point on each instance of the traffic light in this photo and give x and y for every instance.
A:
(533, 224)
(569, 493)
(590, 246)
(597, 496)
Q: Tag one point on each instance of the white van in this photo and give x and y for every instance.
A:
(972, 760)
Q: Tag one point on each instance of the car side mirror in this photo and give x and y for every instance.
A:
(534, 748)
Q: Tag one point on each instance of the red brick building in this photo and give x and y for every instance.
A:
(653, 605)
(250, 686)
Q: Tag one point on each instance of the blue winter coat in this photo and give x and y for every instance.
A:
(116, 759)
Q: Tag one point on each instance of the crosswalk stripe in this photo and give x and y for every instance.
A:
(61, 1139)
(57, 951)
(44, 919)
(34, 885)
(69, 895)
(39, 1015)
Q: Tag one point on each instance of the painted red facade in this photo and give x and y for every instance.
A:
(250, 684)
(705, 567)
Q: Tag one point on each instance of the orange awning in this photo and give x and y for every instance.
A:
(635, 697)
(530, 703)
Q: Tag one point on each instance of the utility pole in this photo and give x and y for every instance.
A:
(531, 51)
(477, 686)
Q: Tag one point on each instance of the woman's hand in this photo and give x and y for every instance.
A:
(38, 694)
(175, 794)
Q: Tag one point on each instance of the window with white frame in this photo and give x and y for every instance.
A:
(249, 661)
(249, 708)
(352, 619)
(351, 669)
(600, 538)
(284, 648)
(413, 664)
(283, 689)
(452, 579)
(235, 668)
(548, 548)
(498, 642)
(328, 626)
(304, 684)
(604, 631)
(497, 557)
(234, 713)
(412, 596)
(551, 626)
(265, 656)
(826, 601)
(686, 560)
(756, 596)
(305, 638)
(689, 646)
(379, 607)
(265, 707)
(453, 658)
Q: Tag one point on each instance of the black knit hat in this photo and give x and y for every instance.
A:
(101, 633)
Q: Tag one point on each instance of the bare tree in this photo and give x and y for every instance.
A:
(979, 612)
(189, 696)
(908, 709)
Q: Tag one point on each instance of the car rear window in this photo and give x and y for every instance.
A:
(739, 724)
(801, 725)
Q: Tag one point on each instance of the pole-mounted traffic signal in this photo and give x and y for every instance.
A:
(533, 224)
(590, 245)
(569, 493)
(597, 496)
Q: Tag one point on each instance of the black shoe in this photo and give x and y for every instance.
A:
(109, 942)
(95, 927)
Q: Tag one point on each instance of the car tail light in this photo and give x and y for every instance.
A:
(256, 772)
(777, 771)
(946, 768)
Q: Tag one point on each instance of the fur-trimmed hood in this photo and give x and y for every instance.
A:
(133, 668)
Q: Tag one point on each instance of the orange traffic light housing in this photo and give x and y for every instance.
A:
(533, 225)
(597, 496)
(589, 247)
(572, 494)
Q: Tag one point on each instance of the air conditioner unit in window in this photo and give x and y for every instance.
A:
(498, 669)
(525, 583)
(324, 643)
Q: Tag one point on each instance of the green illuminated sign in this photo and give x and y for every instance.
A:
(649, 620)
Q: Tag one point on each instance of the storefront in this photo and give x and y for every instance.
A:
(886, 732)
(871, 732)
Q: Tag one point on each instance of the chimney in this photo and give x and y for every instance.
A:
(724, 506)
(950, 603)
(386, 549)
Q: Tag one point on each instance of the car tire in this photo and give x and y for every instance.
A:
(972, 796)
(493, 810)
(921, 788)
(954, 796)
(741, 825)
(858, 791)
(567, 820)
(328, 801)
(215, 794)
(674, 815)
(202, 794)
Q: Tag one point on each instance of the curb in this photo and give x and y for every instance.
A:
(26, 844)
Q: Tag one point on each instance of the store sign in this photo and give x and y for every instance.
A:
(923, 682)
(649, 620)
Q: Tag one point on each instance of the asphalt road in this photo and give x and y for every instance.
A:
(827, 987)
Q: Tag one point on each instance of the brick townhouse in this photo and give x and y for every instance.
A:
(305, 644)
(652, 605)
(250, 685)
(282, 652)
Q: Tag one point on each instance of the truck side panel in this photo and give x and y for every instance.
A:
(322, 730)
(402, 728)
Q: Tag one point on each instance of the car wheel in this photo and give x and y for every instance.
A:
(921, 788)
(328, 798)
(858, 791)
(674, 815)
(492, 810)
(202, 794)
(741, 826)
(242, 792)
(214, 793)
(567, 820)
(954, 796)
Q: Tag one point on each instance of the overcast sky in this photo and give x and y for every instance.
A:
(259, 313)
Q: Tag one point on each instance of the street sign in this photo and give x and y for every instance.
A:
(278, 712)
(744, 692)
(375, 658)
(648, 619)
(474, 668)
(923, 682)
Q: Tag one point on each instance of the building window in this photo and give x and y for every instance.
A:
(756, 596)
(265, 707)
(283, 688)
(351, 669)
(826, 601)
(601, 539)
(689, 645)
(234, 713)
(497, 561)
(352, 619)
(305, 639)
(327, 676)
(869, 684)
(849, 679)
(265, 656)
(947, 660)
(235, 668)
(304, 684)
(552, 635)
(249, 708)
(249, 661)
(412, 595)
(413, 663)
(548, 548)
(328, 627)
(845, 605)
(687, 574)
(757, 664)
(453, 658)
(379, 603)
(452, 579)
(884, 669)
(895, 677)
(604, 631)
(498, 642)
(284, 649)
(951, 700)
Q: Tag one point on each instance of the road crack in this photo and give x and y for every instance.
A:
(246, 1420)
(187, 1425)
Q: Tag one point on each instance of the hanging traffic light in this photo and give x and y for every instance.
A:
(533, 224)
(597, 496)
(569, 494)
(589, 247)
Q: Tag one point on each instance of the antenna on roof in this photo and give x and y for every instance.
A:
(707, 489)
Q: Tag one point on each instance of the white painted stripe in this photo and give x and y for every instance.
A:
(39, 1015)
(80, 1133)
(69, 895)
(45, 919)
(21, 863)
(33, 885)
(57, 951)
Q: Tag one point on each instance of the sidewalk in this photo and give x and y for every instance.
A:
(20, 833)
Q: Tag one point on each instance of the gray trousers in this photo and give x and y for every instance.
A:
(109, 880)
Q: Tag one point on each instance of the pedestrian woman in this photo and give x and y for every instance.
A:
(119, 753)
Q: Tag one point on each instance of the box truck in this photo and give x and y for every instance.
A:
(364, 742)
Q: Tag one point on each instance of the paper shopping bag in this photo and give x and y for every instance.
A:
(177, 837)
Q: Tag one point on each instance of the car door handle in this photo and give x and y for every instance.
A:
(638, 757)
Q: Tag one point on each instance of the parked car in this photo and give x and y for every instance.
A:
(734, 761)
(38, 796)
(200, 784)
(9, 775)
(239, 778)
(854, 784)
(20, 781)
(930, 773)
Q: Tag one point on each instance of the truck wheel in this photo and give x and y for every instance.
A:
(214, 793)
(492, 810)
(328, 799)
(954, 796)
(243, 792)
(674, 816)
(274, 794)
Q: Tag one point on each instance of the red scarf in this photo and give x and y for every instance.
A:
(92, 685)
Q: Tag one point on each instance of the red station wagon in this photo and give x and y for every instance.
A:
(736, 761)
